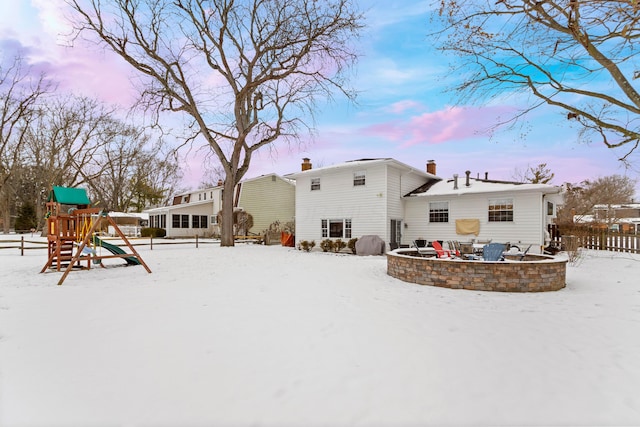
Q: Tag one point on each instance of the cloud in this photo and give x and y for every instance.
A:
(404, 106)
(448, 125)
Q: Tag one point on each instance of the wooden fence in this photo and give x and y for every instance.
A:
(597, 238)
(611, 241)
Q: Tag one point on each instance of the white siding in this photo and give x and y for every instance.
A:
(399, 183)
(189, 209)
(527, 226)
(194, 207)
(338, 199)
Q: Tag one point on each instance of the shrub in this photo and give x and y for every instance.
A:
(306, 246)
(352, 245)
(153, 232)
(339, 245)
(27, 218)
(326, 245)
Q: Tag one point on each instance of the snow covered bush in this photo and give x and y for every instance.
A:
(339, 245)
(306, 245)
(326, 245)
(352, 245)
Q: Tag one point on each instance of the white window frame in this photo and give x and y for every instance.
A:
(359, 178)
(438, 210)
(503, 209)
(315, 184)
(325, 226)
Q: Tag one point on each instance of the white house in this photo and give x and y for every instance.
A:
(267, 198)
(190, 214)
(400, 204)
(468, 209)
(354, 199)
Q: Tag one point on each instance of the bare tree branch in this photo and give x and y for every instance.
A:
(245, 72)
(577, 55)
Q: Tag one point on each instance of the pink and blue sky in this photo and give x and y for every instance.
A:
(403, 110)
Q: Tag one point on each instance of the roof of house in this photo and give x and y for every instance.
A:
(360, 163)
(447, 187)
(617, 206)
(140, 215)
(287, 180)
(69, 196)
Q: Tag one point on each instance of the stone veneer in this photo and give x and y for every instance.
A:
(536, 273)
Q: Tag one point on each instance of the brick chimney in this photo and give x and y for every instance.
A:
(306, 164)
(431, 167)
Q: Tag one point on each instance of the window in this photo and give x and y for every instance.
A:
(205, 196)
(336, 228)
(214, 219)
(158, 221)
(501, 210)
(175, 221)
(438, 211)
(200, 196)
(359, 178)
(315, 184)
(549, 208)
(184, 221)
(199, 221)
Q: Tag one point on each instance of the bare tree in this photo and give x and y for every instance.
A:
(577, 55)
(579, 199)
(19, 95)
(65, 137)
(132, 172)
(244, 72)
(540, 174)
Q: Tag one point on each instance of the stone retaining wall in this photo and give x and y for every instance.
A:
(536, 273)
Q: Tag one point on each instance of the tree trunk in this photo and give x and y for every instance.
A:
(226, 236)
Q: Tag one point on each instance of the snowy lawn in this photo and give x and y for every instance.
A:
(257, 335)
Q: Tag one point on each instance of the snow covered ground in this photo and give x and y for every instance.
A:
(271, 336)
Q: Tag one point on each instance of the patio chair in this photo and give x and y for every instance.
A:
(454, 246)
(415, 245)
(524, 254)
(440, 252)
(493, 252)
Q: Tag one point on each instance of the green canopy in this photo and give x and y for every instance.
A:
(69, 196)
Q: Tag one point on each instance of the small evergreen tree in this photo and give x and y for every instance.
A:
(27, 217)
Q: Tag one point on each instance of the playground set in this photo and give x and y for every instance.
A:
(72, 239)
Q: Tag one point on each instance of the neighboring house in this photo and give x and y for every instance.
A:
(467, 209)
(190, 214)
(400, 204)
(267, 198)
(623, 217)
(353, 199)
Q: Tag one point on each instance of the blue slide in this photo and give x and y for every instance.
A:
(116, 250)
